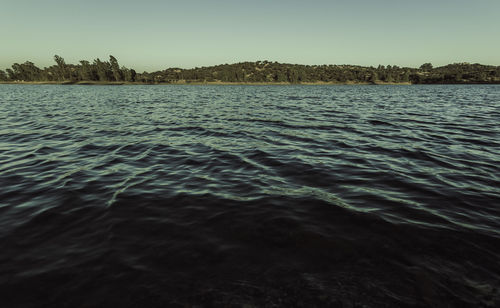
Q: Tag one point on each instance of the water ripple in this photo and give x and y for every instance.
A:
(223, 196)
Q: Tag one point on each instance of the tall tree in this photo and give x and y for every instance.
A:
(85, 71)
(62, 69)
(103, 70)
(133, 75)
(115, 68)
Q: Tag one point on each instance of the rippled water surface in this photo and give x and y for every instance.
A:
(311, 196)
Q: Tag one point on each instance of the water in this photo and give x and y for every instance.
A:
(311, 196)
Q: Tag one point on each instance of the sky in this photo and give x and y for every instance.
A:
(153, 34)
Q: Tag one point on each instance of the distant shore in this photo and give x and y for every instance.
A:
(222, 83)
(120, 83)
(110, 72)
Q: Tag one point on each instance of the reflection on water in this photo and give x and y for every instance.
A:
(249, 195)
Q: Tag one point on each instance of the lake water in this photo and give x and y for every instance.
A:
(226, 196)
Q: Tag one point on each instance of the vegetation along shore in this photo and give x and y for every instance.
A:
(260, 72)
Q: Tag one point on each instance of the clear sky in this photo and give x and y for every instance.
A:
(154, 34)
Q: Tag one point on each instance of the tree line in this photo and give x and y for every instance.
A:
(105, 71)
(248, 72)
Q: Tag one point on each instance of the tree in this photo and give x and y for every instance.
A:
(11, 74)
(17, 72)
(426, 67)
(293, 75)
(32, 71)
(115, 68)
(302, 76)
(85, 72)
(3, 76)
(62, 70)
(388, 77)
(406, 77)
(128, 74)
(280, 76)
(103, 70)
(26, 71)
(133, 75)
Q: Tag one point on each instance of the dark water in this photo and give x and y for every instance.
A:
(216, 196)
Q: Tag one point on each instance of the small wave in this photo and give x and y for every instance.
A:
(261, 196)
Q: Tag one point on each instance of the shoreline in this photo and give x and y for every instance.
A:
(120, 83)
(266, 73)
(318, 83)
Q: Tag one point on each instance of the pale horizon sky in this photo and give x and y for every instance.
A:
(154, 35)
